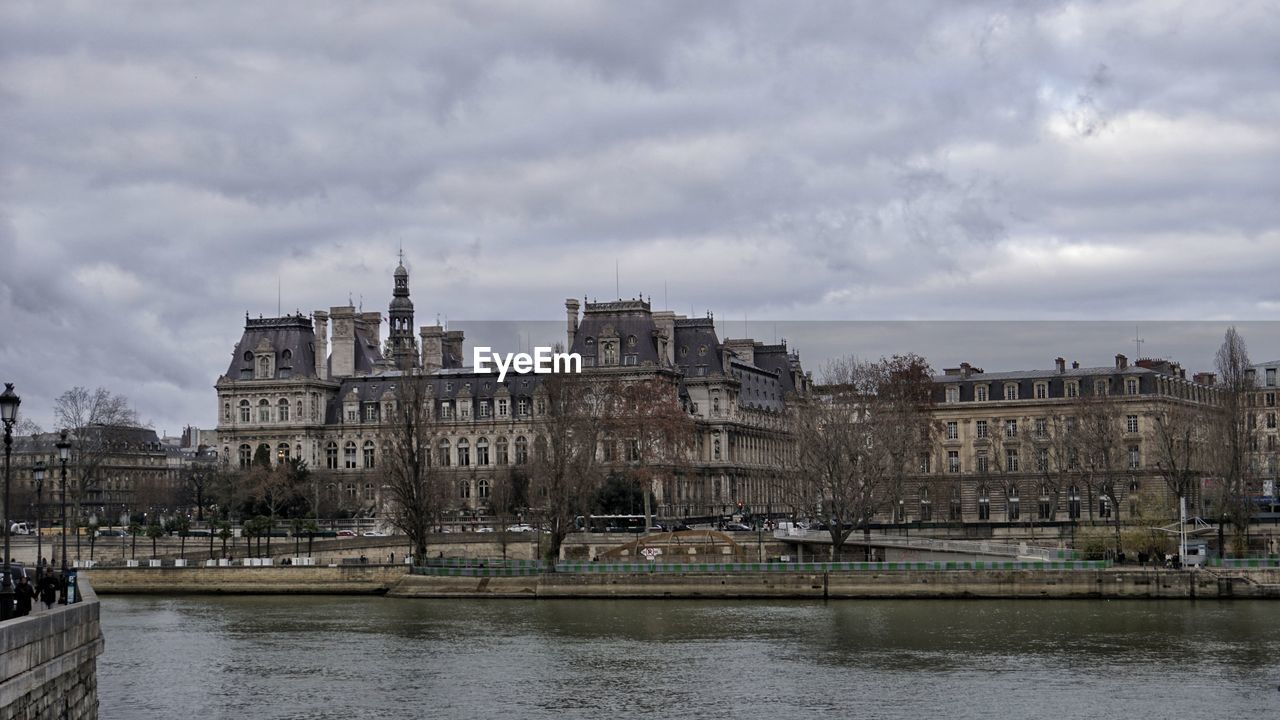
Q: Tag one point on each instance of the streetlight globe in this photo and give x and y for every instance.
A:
(64, 447)
(9, 402)
(37, 472)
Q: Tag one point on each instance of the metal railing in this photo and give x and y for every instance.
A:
(967, 547)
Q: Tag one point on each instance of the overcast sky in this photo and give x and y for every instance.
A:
(164, 165)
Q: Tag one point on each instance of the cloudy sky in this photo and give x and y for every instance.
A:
(165, 167)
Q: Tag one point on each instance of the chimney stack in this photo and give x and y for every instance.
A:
(1075, 364)
(1122, 362)
(1061, 364)
(320, 318)
(965, 369)
(571, 310)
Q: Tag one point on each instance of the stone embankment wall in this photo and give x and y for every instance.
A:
(48, 662)
(296, 579)
(1111, 583)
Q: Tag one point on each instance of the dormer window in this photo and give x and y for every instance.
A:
(1011, 391)
(953, 394)
(980, 393)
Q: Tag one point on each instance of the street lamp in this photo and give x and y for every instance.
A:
(37, 473)
(9, 412)
(64, 454)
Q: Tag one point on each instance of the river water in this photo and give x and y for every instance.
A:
(368, 657)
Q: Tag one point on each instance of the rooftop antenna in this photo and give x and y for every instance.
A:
(278, 312)
(402, 251)
(1137, 341)
(664, 295)
(617, 284)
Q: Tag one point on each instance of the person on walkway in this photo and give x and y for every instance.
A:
(48, 588)
(22, 596)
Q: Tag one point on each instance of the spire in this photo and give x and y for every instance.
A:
(404, 351)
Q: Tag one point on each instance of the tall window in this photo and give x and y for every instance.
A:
(464, 489)
(1013, 503)
(443, 456)
(984, 503)
(500, 451)
(282, 453)
(1073, 389)
(1042, 460)
(982, 429)
(368, 491)
(925, 466)
(980, 393)
(246, 456)
(1011, 428)
(1135, 458)
(464, 453)
(368, 454)
(956, 512)
(522, 450)
(349, 455)
(1131, 386)
(483, 409)
(1011, 459)
(371, 412)
(482, 453)
(1041, 428)
(264, 411)
(953, 430)
(1042, 391)
(953, 461)
(502, 407)
(953, 394)
(981, 461)
(926, 505)
(1046, 505)
(282, 410)
(482, 489)
(522, 407)
(1131, 423)
(1073, 502)
(244, 411)
(1011, 392)
(331, 455)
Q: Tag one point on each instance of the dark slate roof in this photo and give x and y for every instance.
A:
(759, 389)
(630, 320)
(291, 332)
(775, 358)
(447, 385)
(368, 350)
(696, 345)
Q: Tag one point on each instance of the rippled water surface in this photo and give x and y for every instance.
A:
(365, 657)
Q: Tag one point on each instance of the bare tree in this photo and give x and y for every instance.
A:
(1104, 469)
(1233, 437)
(564, 473)
(98, 423)
(413, 486)
(658, 435)
(1180, 447)
(902, 404)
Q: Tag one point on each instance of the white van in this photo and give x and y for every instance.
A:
(19, 528)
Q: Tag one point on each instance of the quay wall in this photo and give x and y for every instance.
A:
(49, 662)
(236, 580)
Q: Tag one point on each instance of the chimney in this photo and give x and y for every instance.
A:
(571, 310)
(344, 340)
(320, 319)
(1075, 364)
(373, 326)
(965, 369)
(432, 347)
(1061, 364)
(453, 349)
(1122, 362)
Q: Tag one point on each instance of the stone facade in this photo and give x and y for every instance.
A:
(48, 662)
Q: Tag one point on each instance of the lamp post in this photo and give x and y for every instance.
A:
(37, 474)
(64, 454)
(9, 412)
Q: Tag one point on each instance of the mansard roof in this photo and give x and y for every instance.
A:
(696, 346)
(291, 333)
(628, 320)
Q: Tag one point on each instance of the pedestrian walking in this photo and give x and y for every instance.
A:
(48, 588)
(22, 596)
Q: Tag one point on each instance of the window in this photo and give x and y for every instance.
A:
(351, 415)
(331, 455)
(984, 503)
(1042, 460)
(371, 412)
(1271, 377)
(1135, 458)
(368, 454)
(1100, 388)
(1013, 503)
(349, 455)
(264, 411)
(1073, 389)
(1041, 428)
(1271, 421)
(464, 453)
(246, 456)
(953, 461)
(522, 450)
(1045, 509)
(1011, 391)
(1011, 460)
(953, 394)
(244, 411)
(981, 459)
(500, 451)
(1131, 423)
(542, 406)
(1073, 502)
(1131, 386)
(633, 450)
(924, 464)
(483, 409)
(980, 393)
(368, 491)
(956, 511)
(482, 453)
(953, 430)
(982, 429)
(1270, 399)
(443, 456)
(446, 409)
(523, 407)
(282, 453)
(464, 489)
(1104, 507)
(1011, 428)
(482, 489)
(1042, 391)
(350, 490)
(926, 505)
(502, 407)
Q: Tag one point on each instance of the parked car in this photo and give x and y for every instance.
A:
(520, 528)
(346, 533)
(372, 533)
(736, 527)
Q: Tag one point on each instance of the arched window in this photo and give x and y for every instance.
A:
(244, 411)
(368, 454)
(522, 450)
(984, 503)
(349, 455)
(351, 491)
(282, 453)
(500, 452)
(1045, 506)
(443, 454)
(483, 489)
(287, 355)
(282, 410)
(246, 456)
(264, 411)
(926, 504)
(482, 452)
(464, 453)
(464, 489)
(331, 455)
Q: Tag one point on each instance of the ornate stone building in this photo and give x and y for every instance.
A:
(321, 389)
